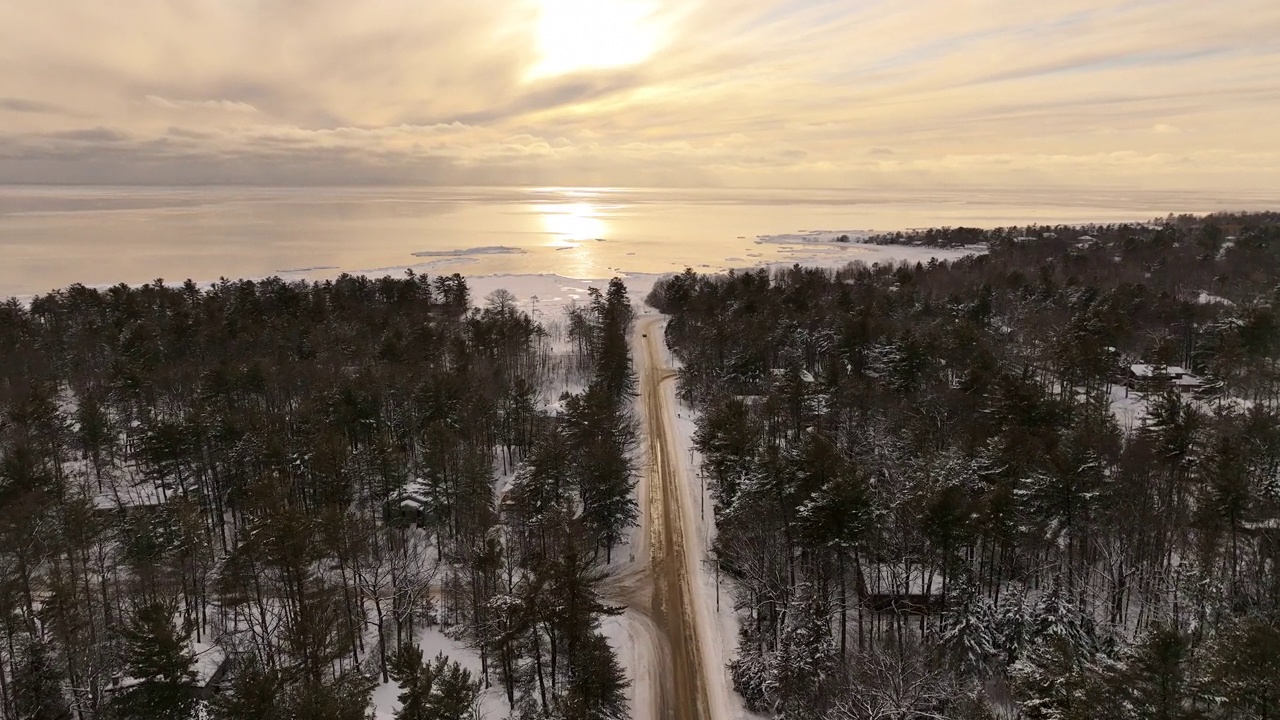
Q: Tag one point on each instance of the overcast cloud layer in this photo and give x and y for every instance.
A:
(1172, 94)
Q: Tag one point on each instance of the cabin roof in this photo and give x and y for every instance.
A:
(1146, 370)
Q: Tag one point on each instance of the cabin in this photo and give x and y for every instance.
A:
(410, 507)
(216, 681)
(211, 677)
(1156, 378)
(506, 502)
(902, 588)
(1264, 535)
(805, 376)
(1268, 529)
(406, 511)
(117, 512)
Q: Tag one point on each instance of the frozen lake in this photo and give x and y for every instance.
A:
(54, 236)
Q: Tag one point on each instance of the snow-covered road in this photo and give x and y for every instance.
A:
(677, 660)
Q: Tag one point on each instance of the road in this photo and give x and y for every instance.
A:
(682, 685)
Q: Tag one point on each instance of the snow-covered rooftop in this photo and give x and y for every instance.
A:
(1208, 299)
(1145, 370)
(1268, 524)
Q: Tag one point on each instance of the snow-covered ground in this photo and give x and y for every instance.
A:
(1128, 407)
(546, 295)
(492, 703)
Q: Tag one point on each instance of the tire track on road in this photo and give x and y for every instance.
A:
(683, 692)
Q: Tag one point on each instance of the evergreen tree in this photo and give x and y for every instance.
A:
(804, 660)
(968, 630)
(1154, 680)
(1055, 682)
(345, 697)
(437, 690)
(161, 665)
(37, 687)
(1244, 669)
(597, 688)
(254, 693)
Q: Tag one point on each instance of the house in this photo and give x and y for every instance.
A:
(211, 677)
(1188, 384)
(1156, 378)
(205, 688)
(899, 588)
(805, 375)
(1268, 528)
(406, 511)
(116, 512)
(410, 507)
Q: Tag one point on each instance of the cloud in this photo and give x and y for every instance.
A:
(100, 135)
(223, 105)
(18, 105)
(755, 92)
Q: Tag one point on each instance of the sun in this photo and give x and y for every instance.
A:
(574, 35)
(572, 222)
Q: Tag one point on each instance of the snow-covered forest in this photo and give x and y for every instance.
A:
(1040, 482)
(284, 500)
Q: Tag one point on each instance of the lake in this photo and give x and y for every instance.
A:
(54, 236)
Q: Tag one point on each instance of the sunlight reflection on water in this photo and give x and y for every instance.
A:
(54, 236)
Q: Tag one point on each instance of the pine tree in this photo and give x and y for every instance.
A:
(161, 663)
(749, 670)
(1154, 681)
(1054, 682)
(1244, 668)
(968, 631)
(455, 692)
(345, 697)
(254, 694)
(37, 686)
(597, 688)
(804, 659)
(415, 681)
(437, 690)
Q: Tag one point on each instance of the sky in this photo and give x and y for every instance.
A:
(1151, 94)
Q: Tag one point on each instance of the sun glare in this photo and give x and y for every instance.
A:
(590, 34)
(572, 222)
